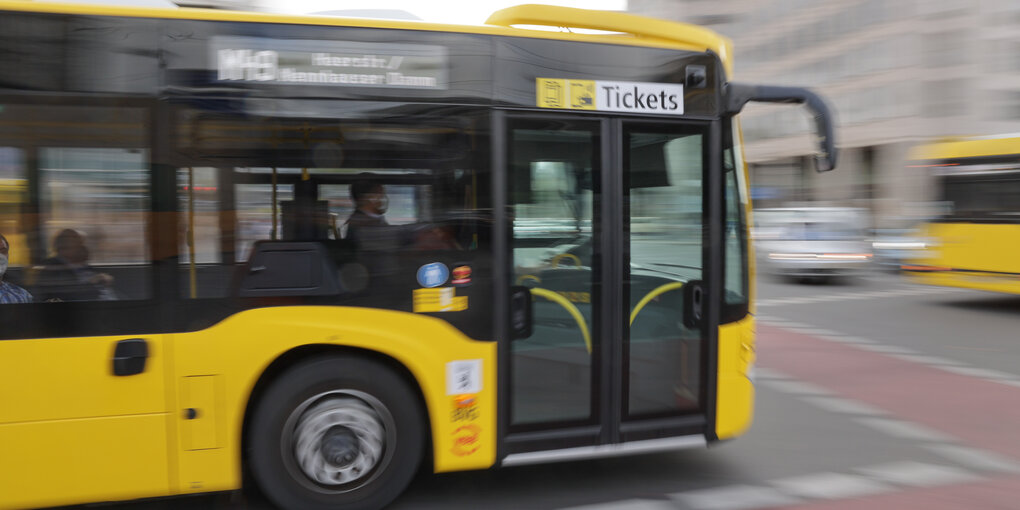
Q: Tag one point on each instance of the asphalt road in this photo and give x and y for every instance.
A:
(872, 393)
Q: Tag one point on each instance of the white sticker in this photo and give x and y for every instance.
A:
(629, 96)
(464, 376)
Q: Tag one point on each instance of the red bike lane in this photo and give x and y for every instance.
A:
(976, 412)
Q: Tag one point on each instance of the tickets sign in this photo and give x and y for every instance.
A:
(610, 96)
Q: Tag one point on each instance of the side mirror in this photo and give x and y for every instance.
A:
(521, 312)
(739, 94)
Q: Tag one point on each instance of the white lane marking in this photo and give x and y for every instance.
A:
(784, 323)
(843, 405)
(796, 387)
(981, 373)
(975, 458)
(629, 504)
(769, 373)
(924, 359)
(848, 339)
(905, 430)
(772, 319)
(831, 486)
(735, 497)
(886, 293)
(918, 474)
(1011, 382)
(809, 330)
(887, 349)
(851, 296)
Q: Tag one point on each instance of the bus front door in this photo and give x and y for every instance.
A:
(606, 232)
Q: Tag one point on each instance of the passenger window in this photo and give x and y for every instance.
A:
(13, 245)
(372, 199)
(95, 207)
(75, 200)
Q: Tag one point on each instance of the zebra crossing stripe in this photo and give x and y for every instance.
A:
(831, 486)
(735, 497)
(918, 474)
(976, 458)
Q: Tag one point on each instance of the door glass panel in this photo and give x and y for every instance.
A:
(663, 172)
(553, 194)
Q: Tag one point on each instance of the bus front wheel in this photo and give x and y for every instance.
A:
(336, 432)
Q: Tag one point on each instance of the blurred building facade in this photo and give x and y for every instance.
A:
(897, 73)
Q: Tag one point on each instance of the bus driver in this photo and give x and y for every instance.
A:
(370, 202)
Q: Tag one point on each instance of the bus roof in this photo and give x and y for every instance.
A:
(617, 27)
(974, 147)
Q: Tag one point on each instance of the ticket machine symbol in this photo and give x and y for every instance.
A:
(552, 94)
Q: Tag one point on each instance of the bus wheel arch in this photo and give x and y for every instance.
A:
(312, 383)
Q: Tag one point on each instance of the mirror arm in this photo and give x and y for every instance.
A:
(739, 94)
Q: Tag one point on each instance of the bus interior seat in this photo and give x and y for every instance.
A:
(289, 268)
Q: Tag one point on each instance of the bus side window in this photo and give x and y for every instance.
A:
(94, 205)
(13, 241)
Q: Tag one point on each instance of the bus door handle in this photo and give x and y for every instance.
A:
(129, 356)
(521, 312)
(694, 301)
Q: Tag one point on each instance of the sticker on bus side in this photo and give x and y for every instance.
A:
(444, 299)
(464, 377)
(465, 440)
(433, 274)
(465, 408)
(610, 96)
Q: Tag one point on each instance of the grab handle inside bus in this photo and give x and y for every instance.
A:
(739, 94)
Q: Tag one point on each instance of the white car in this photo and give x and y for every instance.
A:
(812, 242)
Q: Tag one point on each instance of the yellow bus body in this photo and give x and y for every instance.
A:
(156, 450)
(118, 439)
(970, 253)
(981, 256)
(737, 340)
(635, 30)
(735, 397)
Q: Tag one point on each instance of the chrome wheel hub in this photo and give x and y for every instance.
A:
(340, 438)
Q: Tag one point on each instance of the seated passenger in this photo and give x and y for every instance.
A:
(10, 293)
(68, 275)
(370, 202)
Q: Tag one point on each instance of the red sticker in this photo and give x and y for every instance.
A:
(461, 275)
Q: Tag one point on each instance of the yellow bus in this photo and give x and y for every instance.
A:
(316, 254)
(972, 242)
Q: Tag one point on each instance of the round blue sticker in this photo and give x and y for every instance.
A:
(433, 275)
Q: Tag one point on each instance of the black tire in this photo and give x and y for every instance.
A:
(327, 392)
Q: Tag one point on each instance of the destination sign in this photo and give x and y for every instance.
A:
(329, 63)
